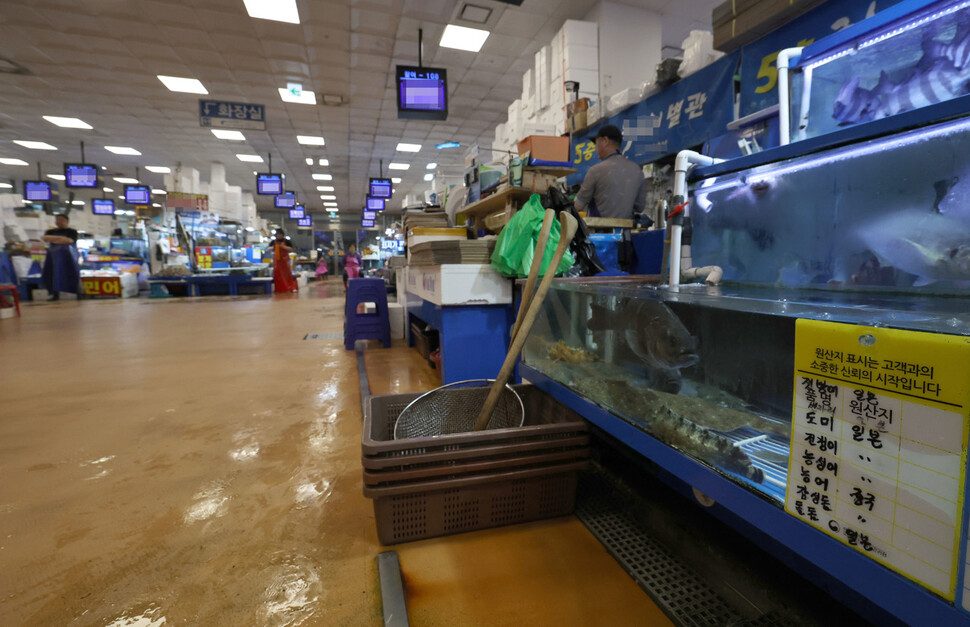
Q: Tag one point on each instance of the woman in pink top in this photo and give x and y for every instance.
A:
(352, 264)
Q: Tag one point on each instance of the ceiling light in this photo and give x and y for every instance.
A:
(9, 161)
(316, 177)
(429, 177)
(34, 145)
(77, 202)
(310, 140)
(129, 212)
(250, 158)
(327, 197)
(307, 97)
(431, 166)
(398, 166)
(67, 122)
(155, 204)
(107, 190)
(122, 197)
(6, 186)
(330, 204)
(186, 85)
(324, 162)
(395, 180)
(235, 136)
(158, 169)
(462, 38)
(159, 192)
(447, 145)
(250, 229)
(309, 160)
(120, 212)
(277, 10)
(125, 180)
(324, 188)
(408, 147)
(56, 177)
(122, 150)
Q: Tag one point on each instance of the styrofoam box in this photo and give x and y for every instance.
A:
(459, 284)
(579, 32)
(395, 314)
(581, 58)
(528, 84)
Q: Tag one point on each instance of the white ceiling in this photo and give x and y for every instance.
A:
(98, 60)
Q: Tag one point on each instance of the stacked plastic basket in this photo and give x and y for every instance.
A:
(427, 487)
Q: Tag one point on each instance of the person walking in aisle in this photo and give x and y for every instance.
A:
(61, 272)
(352, 264)
(283, 280)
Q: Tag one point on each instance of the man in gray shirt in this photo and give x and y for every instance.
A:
(615, 185)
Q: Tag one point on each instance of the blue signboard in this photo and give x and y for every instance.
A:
(218, 114)
(688, 113)
(759, 76)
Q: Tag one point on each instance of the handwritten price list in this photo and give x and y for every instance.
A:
(879, 430)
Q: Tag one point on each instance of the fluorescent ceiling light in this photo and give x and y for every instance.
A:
(324, 188)
(444, 145)
(56, 177)
(159, 192)
(307, 97)
(122, 197)
(77, 202)
(316, 177)
(429, 177)
(158, 169)
(185, 85)
(431, 166)
(330, 204)
(9, 161)
(34, 145)
(310, 140)
(67, 122)
(250, 158)
(6, 186)
(309, 160)
(408, 147)
(235, 136)
(324, 162)
(120, 212)
(107, 190)
(395, 180)
(125, 180)
(327, 197)
(277, 10)
(155, 204)
(129, 212)
(122, 150)
(462, 38)
(398, 166)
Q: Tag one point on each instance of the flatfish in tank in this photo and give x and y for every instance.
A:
(931, 245)
(654, 334)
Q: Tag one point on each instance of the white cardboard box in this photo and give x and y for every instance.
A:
(459, 284)
(579, 32)
(581, 58)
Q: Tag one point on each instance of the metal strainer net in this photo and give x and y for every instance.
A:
(453, 408)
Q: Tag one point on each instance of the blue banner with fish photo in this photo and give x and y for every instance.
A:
(688, 113)
(759, 76)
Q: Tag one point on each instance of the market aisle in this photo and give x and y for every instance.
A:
(195, 461)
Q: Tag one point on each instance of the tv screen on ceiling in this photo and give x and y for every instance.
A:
(103, 207)
(269, 184)
(285, 200)
(370, 215)
(37, 191)
(307, 221)
(82, 175)
(375, 204)
(298, 212)
(138, 194)
(422, 93)
(380, 188)
(367, 224)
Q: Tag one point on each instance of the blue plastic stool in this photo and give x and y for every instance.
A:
(366, 326)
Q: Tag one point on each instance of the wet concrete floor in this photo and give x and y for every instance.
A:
(197, 462)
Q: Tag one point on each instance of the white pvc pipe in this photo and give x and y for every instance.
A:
(785, 58)
(686, 159)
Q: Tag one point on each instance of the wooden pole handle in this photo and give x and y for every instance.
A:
(567, 231)
(537, 255)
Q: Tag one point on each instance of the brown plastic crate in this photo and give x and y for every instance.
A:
(546, 420)
(474, 454)
(387, 478)
(428, 509)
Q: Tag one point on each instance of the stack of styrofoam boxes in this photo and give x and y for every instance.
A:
(513, 127)
(574, 57)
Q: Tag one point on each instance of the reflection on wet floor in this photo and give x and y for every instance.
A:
(195, 461)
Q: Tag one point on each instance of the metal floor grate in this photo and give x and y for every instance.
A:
(323, 336)
(684, 597)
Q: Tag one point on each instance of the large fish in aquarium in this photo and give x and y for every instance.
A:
(654, 334)
(932, 246)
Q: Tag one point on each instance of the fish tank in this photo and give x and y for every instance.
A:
(890, 214)
(917, 60)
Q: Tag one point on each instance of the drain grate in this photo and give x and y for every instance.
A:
(323, 336)
(685, 598)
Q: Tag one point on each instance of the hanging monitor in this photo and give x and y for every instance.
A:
(380, 188)
(103, 207)
(298, 212)
(82, 175)
(422, 93)
(370, 215)
(138, 194)
(305, 222)
(286, 200)
(375, 204)
(367, 224)
(37, 191)
(269, 184)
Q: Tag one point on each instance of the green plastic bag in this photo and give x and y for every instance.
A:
(516, 243)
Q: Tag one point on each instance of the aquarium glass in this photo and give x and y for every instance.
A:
(914, 62)
(890, 214)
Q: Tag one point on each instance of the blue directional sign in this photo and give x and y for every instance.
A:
(218, 114)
